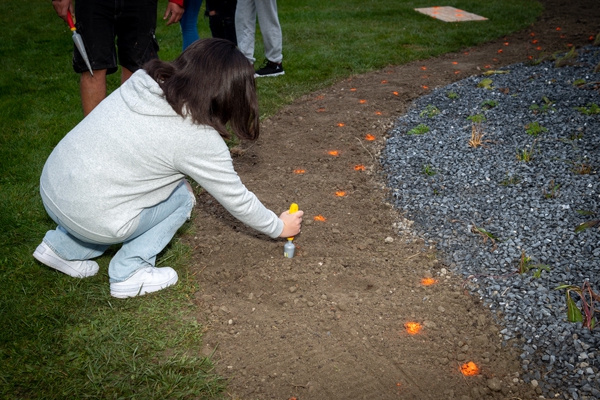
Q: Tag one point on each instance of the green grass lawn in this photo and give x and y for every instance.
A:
(67, 338)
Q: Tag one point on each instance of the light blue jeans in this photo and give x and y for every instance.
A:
(157, 226)
(189, 22)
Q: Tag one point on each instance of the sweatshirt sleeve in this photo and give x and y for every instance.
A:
(178, 2)
(212, 168)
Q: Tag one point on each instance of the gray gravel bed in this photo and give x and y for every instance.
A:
(450, 190)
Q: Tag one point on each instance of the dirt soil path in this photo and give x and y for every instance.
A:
(330, 322)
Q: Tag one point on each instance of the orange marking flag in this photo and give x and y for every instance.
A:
(450, 14)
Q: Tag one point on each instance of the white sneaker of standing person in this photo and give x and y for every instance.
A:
(146, 280)
(77, 269)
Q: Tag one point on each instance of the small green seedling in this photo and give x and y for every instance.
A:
(452, 95)
(477, 118)
(485, 84)
(510, 180)
(535, 129)
(526, 264)
(579, 82)
(428, 170)
(584, 313)
(552, 191)
(525, 155)
(588, 224)
(495, 72)
(485, 235)
(568, 59)
(430, 111)
(488, 104)
(418, 130)
(576, 136)
(582, 168)
(591, 109)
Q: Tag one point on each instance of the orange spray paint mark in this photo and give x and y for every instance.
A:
(424, 68)
(383, 82)
(538, 48)
(535, 41)
(319, 110)
(353, 89)
(494, 59)
(428, 281)
(569, 44)
(334, 153)
(466, 53)
(456, 72)
(362, 101)
(299, 171)
(506, 43)
(591, 38)
(340, 124)
(413, 328)
(321, 97)
(455, 62)
(532, 34)
(530, 57)
(487, 66)
(500, 51)
(469, 369)
(378, 113)
(425, 87)
(359, 167)
(369, 137)
(558, 28)
(395, 93)
(320, 218)
(424, 76)
(340, 193)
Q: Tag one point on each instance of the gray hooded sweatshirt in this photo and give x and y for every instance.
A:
(130, 153)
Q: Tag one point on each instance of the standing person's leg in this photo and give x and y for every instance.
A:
(135, 28)
(245, 27)
(95, 24)
(270, 29)
(132, 270)
(189, 22)
(92, 89)
(215, 19)
(228, 16)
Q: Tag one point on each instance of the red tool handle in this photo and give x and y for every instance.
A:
(70, 20)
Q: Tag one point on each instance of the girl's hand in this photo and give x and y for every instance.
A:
(291, 223)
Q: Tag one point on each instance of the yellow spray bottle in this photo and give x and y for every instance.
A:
(289, 248)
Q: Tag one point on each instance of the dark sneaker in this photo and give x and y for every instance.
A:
(270, 69)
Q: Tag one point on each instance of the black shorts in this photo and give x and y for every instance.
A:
(130, 24)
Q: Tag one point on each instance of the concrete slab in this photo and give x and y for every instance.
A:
(450, 14)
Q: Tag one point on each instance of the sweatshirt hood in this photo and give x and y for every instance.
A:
(143, 96)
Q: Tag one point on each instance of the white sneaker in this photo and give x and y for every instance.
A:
(76, 269)
(146, 280)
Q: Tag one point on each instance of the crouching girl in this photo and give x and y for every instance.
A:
(118, 176)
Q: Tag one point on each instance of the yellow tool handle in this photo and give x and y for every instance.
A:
(293, 209)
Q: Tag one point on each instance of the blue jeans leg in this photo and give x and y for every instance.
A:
(157, 226)
(189, 22)
(69, 247)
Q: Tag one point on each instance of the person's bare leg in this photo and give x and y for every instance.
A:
(92, 89)
(125, 74)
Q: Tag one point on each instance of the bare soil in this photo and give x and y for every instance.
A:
(330, 322)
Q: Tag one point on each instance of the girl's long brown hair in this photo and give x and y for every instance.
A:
(213, 83)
